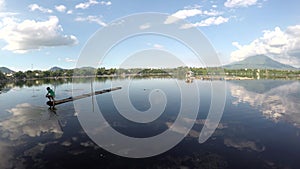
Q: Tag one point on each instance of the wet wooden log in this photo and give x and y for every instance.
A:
(70, 99)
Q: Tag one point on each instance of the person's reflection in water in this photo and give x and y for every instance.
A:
(53, 113)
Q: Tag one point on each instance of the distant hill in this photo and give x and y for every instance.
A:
(259, 62)
(87, 68)
(55, 68)
(6, 70)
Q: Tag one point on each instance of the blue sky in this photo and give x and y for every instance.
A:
(42, 34)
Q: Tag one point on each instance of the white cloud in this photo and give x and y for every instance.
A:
(34, 7)
(107, 3)
(207, 22)
(212, 12)
(186, 13)
(283, 46)
(158, 46)
(61, 8)
(69, 12)
(91, 18)
(86, 5)
(239, 3)
(7, 14)
(195, 6)
(70, 60)
(145, 26)
(182, 14)
(22, 36)
(2, 4)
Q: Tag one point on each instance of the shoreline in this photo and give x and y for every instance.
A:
(227, 78)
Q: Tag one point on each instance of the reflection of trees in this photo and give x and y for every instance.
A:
(195, 160)
(52, 81)
(2, 76)
(39, 82)
(2, 80)
(2, 84)
(3, 87)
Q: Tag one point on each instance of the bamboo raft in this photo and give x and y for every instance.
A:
(70, 99)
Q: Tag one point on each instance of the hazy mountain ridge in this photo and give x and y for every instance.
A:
(259, 62)
(6, 70)
(252, 62)
(55, 68)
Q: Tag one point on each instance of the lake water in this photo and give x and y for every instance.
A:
(260, 126)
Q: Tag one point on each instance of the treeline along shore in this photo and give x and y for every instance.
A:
(199, 73)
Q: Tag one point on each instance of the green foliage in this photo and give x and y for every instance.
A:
(101, 71)
(46, 73)
(179, 72)
(199, 71)
(20, 75)
(2, 76)
(262, 73)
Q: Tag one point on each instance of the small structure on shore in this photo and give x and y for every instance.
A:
(189, 74)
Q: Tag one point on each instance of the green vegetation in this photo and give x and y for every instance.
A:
(262, 73)
(179, 72)
(2, 76)
(3, 80)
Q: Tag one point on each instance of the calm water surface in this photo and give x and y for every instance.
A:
(259, 127)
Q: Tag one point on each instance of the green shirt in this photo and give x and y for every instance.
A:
(51, 92)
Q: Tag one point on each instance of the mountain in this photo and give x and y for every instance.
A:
(6, 70)
(87, 68)
(259, 62)
(55, 68)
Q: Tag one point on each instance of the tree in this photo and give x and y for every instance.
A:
(2, 76)
(69, 73)
(46, 73)
(101, 71)
(29, 74)
(20, 75)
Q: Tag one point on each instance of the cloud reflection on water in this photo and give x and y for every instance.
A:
(279, 103)
(29, 120)
(193, 132)
(243, 144)
(25, 122)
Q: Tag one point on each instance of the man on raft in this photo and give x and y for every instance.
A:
(51, 95)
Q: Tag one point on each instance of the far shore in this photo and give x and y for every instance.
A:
(198, 77)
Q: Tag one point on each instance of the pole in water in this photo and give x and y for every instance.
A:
(69, 99)
(93, 94)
